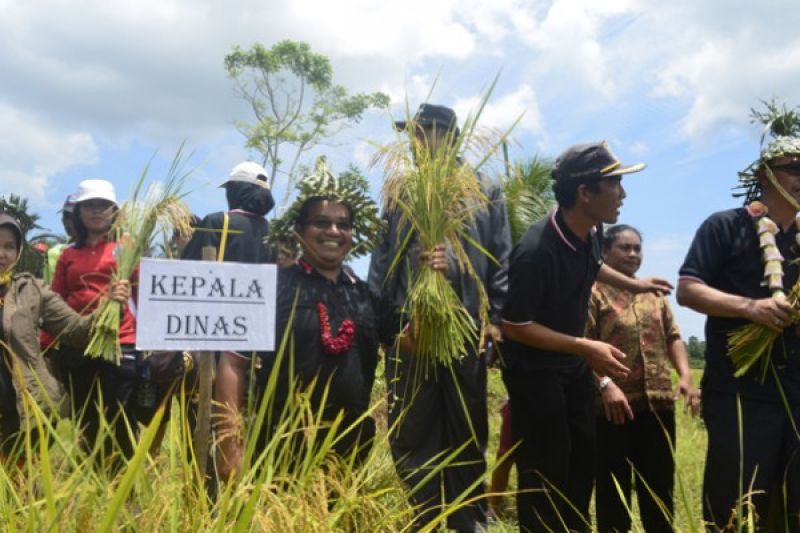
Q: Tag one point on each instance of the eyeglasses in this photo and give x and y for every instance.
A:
(791, 168)
(324, 224)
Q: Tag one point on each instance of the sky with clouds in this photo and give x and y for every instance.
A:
(94, 89)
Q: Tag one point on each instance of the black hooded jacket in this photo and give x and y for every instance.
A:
(247, 227)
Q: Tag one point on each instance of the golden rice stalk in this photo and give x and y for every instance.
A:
(437, 193)
(753, 343)
(155, 209)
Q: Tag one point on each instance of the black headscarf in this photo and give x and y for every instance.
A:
(249, 197)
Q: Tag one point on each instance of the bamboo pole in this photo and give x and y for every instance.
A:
(205, 373)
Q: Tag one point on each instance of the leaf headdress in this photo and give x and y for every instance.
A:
(350, 189)
(781, 125)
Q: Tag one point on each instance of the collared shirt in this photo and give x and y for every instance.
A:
(550, 279)
(726, 255)
(642, 326)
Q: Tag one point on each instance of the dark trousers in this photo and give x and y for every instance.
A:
(100, 389)
(771, 461)
(640, 449)
(431, 417)
(554, 421)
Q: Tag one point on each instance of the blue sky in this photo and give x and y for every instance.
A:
(95, 89)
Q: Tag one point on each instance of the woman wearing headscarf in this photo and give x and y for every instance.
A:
(25, 303)
(239, 233)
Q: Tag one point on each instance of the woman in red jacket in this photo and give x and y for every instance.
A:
(99, 387)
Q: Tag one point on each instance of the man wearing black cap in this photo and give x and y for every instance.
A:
(548, 361)
(434, 413)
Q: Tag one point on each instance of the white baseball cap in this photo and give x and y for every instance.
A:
(248, 172)
(95, 189)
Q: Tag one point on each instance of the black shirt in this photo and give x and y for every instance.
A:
(550, 280)
(726, 255)
(245, 241)
(351, 374)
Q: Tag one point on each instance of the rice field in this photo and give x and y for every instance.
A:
(58, 488)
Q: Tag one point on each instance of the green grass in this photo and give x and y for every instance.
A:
(689, 462)
(60, 490)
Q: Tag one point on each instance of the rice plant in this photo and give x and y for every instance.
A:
(156, 208)
(433, 183)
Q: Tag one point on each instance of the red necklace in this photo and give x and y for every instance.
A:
(343, 341)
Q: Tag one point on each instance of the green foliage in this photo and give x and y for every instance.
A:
(778, 120)
(697, 352)
(433, 186)
(529, 196)
(17, 206)
(350, 188)
(296, 105)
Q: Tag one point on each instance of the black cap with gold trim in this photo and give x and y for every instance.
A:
(590, 161)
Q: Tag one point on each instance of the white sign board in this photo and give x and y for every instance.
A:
(205, 306)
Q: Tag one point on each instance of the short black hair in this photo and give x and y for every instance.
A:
(610, 235)
(566, 190)
(305, 209)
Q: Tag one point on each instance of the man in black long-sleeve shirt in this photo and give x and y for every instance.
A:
(433, 413)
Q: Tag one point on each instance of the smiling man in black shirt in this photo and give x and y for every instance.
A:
(548, 361)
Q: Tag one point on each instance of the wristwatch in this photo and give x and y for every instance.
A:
(603, 383)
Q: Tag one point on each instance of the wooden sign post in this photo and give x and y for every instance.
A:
(206, 306)
(205, 377)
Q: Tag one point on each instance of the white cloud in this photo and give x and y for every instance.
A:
(639, 148)
(502, 111)
(727, 75)
(32, 152)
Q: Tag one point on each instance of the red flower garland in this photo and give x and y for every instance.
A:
(343, 341)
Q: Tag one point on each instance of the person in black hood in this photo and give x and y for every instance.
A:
(238, 234)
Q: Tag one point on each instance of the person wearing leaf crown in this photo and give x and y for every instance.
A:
(742, 272)
(332, 321)
(438, 413)
(26, 304)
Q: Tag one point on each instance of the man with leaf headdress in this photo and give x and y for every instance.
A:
(441, 277)
(742, 271)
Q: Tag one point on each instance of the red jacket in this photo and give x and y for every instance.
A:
(82, 274)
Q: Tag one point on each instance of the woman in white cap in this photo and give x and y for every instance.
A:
(83, 273)
(25, 305)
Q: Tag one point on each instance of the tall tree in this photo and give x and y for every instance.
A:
(296, 105)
